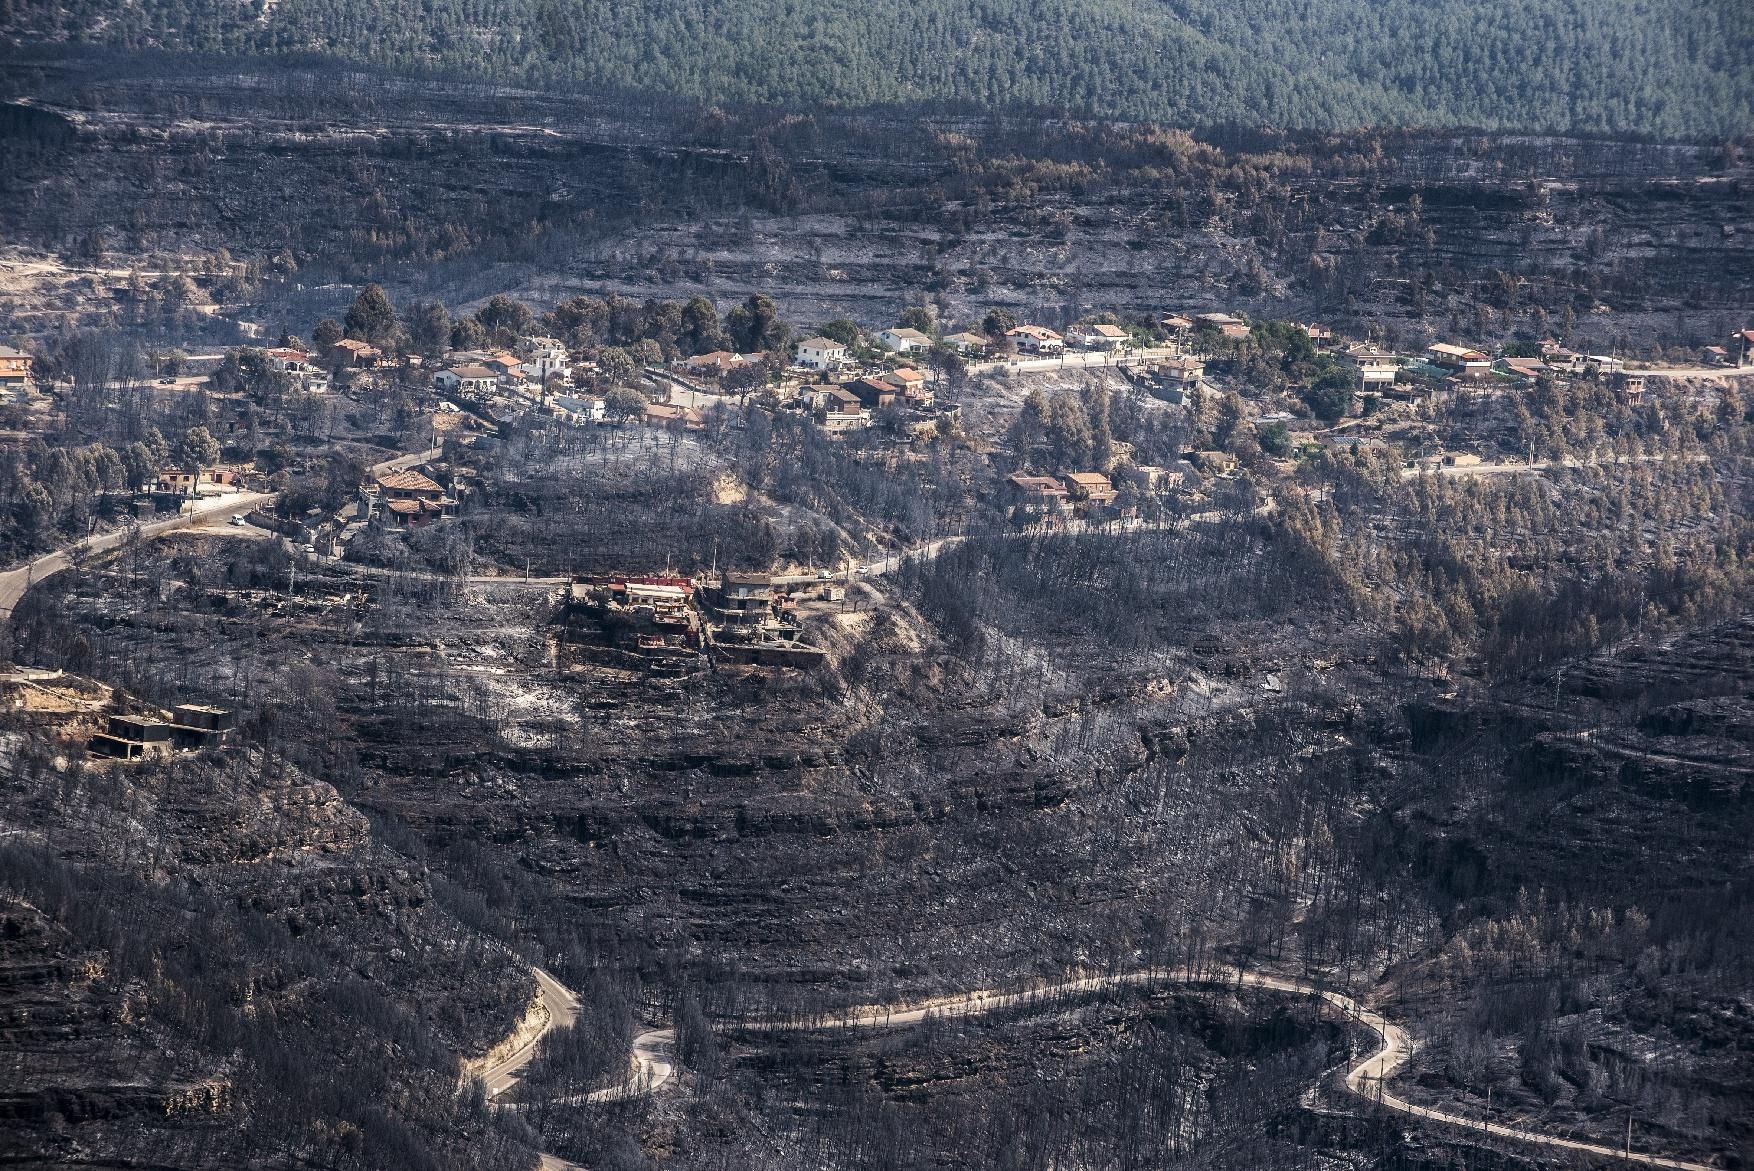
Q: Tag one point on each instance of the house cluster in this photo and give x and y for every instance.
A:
(1090, 496)
(671, 625)
(650, 622)
(480, 375)
(849, 406)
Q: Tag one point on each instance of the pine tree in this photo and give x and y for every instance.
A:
(372, 318)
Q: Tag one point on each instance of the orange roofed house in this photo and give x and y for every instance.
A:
(408, 499)
(1039, 496)
(1093, 491)
(14, 369)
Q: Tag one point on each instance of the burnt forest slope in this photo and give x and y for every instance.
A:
(217, 962)
(320, 183)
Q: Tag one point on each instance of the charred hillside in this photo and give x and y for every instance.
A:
(464, 191)
(218, 960)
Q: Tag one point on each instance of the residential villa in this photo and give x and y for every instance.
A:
(718, 363)
(408, 499)
(675, 418)
(14, 369)
(353, 354)
(821, 353)
(912, 385)
(967, 344)
(1233, 328)
(1178, 377)
(1036, 339)
(1093, 491)
(1376, 368)
(472, 381)
(1099, 337)
(288, 359)
(840, 410)
(1152, 479)
(875, 392)
(1040, 495)
(1459, 360)
(577, 410)
(904, 341)
(544, 356)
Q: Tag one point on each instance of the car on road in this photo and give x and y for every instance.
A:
(167, 382)
(310, 548)
(238, 520)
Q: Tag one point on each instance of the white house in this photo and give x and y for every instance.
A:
(821, 353)
(1036, 339)
(569, 409)
(967, 343)
(469, 380)
(1099, 337)
(904, 341)
(544, 356)
(288, 359)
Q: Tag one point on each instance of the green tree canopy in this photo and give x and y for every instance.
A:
(372, 318)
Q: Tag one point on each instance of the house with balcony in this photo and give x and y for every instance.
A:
(1459, 361)
(1376, 369)
(839, 409)
(744, 599)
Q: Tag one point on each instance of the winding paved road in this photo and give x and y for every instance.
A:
(1367, 1078)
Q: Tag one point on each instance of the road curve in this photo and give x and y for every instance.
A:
(1367, 1078)
(559, 1007)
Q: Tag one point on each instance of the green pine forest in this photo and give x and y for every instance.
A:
(1663, 68)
